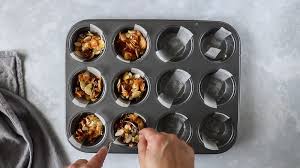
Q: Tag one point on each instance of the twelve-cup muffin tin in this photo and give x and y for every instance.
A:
(192, 69)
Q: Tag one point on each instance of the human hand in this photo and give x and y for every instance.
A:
(95, 162)
(162, 150)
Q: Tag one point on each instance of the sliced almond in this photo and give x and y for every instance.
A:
(143, 43)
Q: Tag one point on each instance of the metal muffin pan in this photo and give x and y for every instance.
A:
(192, 69)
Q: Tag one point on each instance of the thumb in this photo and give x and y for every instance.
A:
(98, 159)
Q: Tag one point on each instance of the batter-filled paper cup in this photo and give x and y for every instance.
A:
(212, 52)
(174, 44)
(92, 28)
(217, 88)
(170, 85)
(216, 131)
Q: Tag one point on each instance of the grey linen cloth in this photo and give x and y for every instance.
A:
(26, 141)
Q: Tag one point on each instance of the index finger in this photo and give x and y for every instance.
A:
(148, 132)
(98, 159)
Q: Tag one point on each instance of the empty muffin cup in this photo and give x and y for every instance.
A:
(217, 88)
(130, 87)
(174, 44)
(174, 87)
(87, 129)
(131, 43)
(87, 87)
(87, 43)
(216, 131)
(126, 129)
(175, 123)
(217, 44)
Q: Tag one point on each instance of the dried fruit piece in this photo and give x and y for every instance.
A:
(131, 44)
(131, 86)
(89, 129)
(127, 133)
(88, 45)
(88, 86)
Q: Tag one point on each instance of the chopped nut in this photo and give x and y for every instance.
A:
(131, 44)
(127, 133)
(88, 45)
(131, 86)
(88, 86)
(119, 132)
(89, 129)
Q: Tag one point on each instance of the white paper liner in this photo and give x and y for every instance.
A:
(173, 86)
(209, 100)
(217, 39)
(73, 55)
(161, 54)
(181, 127)
(95, 29)
(141, 29)
(212, 52)
(222, 33)
(122, 59)
(165, 100)
(224, 117)
(222, 75)
(101, 119)
(80, 102)
(209, 144)
(184, 35)
(122, 102)
(74, 142)
(94, 71)
(137, 71)
(220, 36)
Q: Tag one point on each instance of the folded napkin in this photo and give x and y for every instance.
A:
(26, 140)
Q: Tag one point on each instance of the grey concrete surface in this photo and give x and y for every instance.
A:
(269, 128)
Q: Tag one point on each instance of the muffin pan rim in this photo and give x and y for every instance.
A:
(170, 65)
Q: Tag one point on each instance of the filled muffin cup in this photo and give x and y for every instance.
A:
(175, 123)
(131, 43)
(130, 87)
(217, 88)
(87, 129)
(217, 44)
(87, 86)
(87, 43)
(174, 87)
(126, 128)
(216, 131)
(174, 44)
